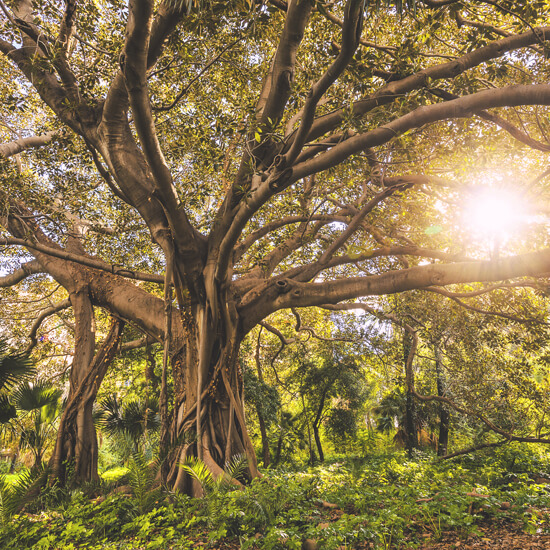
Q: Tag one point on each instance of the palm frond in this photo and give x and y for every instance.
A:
(14, 367)
(7, 409)
(141, 478)
(13, 497)
(234, 469)
(133, 419)
(31, 396)
(199, 471)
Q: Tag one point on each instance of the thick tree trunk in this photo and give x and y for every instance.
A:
(76, 450)
(444, 414)
(208, 421)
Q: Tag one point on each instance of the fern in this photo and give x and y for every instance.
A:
(234, 469)
(13, 497)
(141, 478)
(198, 470)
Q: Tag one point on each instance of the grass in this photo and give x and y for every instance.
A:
(113, 474)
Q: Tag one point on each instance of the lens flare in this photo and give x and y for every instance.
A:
(495, 213)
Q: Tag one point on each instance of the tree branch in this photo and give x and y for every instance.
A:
(351, 33)
(475, 309)
(82, 260)
(391, 91)
(30, 268)
(19, 145)
(513, 96)
(280, 293)
(40, 319)
(136, 63)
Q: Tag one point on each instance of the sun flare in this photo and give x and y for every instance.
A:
(495, 213)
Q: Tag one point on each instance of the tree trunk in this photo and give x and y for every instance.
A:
(76, 450)
(208, 421)
(410, 410)
(266, 456)
(444, 414)
(317, 423)
(318, 442)
(278, 449)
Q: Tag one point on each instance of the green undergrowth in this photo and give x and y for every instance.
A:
(382, 501)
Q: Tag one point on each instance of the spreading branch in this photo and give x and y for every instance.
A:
(82, 260)
(48, 312)
(26, 270)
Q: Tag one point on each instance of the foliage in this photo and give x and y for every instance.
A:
(141, 477)
(14, 496)
(14, 366)
(134, 419)
(231, 475)
(348, 502)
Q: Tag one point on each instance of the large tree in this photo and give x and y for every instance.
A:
(252, 156)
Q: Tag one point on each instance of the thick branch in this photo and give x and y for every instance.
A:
(451, 69)
(285, 293)
(351, 33)
(463, 107)
(138, 343)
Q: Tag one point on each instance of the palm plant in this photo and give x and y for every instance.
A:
(14, 366)
(200, 472)
(133, 420)
(13, 496)
(39, 404)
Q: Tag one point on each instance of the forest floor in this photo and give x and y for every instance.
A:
(496, 535)
(382, 501)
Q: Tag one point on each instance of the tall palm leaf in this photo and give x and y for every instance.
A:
(14, 366)
(7, 409)
(32, 396)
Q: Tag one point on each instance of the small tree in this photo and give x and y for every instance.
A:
(133, 420)
(38, 406)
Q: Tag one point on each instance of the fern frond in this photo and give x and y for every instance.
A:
(141, 479)
(14, 496)
(198, 470)
(235, 468)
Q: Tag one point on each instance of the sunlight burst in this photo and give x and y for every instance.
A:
(495, 213)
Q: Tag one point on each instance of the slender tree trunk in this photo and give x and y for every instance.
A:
(266, 455)
(278, 449)
(317, 438)
(316, 424)
(444, 414)
(410, 411)
(76, 440)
